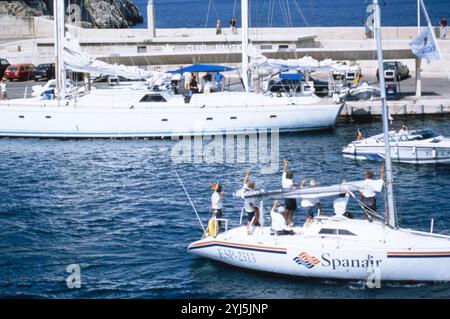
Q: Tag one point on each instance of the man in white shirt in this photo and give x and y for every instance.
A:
(404, 130)
(368, 193)
(278, 221)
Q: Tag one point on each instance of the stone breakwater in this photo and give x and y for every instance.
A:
(97, 13)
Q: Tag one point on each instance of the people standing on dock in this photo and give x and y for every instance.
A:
(218, 27)
(367, 30)
(368, 193)
(3, 93)
(289, 203)
(444, 28)
(233, 22)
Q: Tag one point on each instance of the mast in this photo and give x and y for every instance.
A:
(244, 19)
(392, 221)
(60, 73)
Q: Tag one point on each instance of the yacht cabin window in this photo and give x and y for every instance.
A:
(333, 231)
(153, 98)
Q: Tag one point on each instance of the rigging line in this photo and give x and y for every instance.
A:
(306, 23)
(272, 10)
(234, 8)
(286, 10)
(288, 7)
(189, 198)
(369, 210)
(207, 13)
(283, 13)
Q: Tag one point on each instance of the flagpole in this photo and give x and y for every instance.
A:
(418, 17)
(418, 60)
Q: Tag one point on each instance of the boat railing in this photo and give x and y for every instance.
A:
(225, 221)
(242, 214)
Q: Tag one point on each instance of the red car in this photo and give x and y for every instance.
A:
(20, 72)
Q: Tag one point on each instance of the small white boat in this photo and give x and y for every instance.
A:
(418, 147)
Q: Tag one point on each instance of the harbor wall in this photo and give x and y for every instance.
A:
(41, 27)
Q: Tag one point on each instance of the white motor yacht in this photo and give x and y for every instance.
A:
(418, 147)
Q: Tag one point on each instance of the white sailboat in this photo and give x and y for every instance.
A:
(335, 247)
(137, 112)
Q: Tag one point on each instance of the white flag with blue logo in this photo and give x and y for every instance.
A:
(425, 46)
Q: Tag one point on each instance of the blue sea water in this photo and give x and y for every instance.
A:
(286, 13)
(117, 209)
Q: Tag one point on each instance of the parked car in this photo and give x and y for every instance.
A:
(401, 70)
(44, 72)
(3, 66)
(19, 72)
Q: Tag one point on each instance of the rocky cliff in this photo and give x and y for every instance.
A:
(99, 13)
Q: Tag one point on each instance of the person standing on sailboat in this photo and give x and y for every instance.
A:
(290, 203)
(308, 204)
(249, 204)
(368, 193)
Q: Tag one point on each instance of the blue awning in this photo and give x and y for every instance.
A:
(203, 68)
(291, 76)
